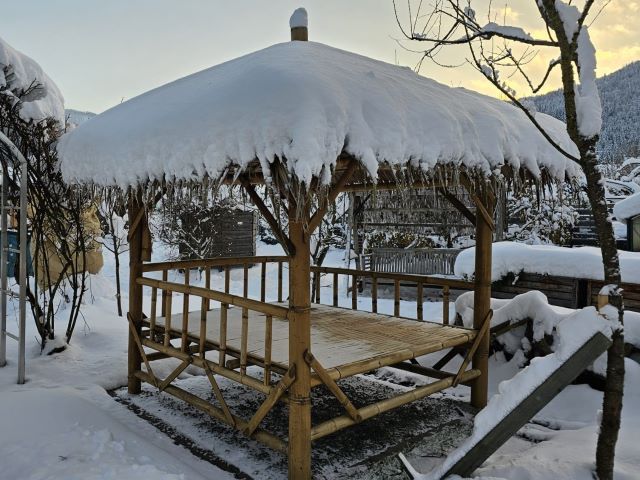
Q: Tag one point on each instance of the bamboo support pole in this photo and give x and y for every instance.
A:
(445, 305)
(482, 333)
(260, 435)
(420, 301)
(425, 371)
(482, 300)
(354, 292)
(224, 309)
(135, 236)
(243, 341)
(276, 393)
(185, 313)
(396, 298)
(335, 289)
(227, 280)
(374, 294)
(317, 284)
(154, 308)
(167, 318)
(280, 282)
(333, 387)
(245, 281)
(263, 281)
(207, 285)
(165, 278)
(299, 343)
(203, 327)
(326, 428)
(268, 339)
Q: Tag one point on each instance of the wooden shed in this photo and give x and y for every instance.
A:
(294, 125)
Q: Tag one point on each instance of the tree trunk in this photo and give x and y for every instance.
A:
(614, 383)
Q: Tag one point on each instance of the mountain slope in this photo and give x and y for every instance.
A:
(620, 94)
(77, 117)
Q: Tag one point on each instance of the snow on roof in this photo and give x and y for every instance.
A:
(299, 18)
(627, 208)
(17, 73)
(306, 102)
(582, 262)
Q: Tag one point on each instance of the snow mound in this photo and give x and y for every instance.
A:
(17, 73)
(306, 102)
(573, 331)
(582, 262)
(627, 208)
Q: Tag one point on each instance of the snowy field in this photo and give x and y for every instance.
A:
(62, 424)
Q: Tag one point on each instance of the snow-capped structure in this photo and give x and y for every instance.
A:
(18, 73)
(307, 103)
(627, 208)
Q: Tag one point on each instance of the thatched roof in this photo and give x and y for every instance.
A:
(307, 104)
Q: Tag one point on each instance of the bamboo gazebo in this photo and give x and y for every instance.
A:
(298, 123)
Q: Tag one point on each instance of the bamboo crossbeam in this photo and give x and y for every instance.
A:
(403, 277)
(266, 308)
(333, 387)
(211, 262)
(260, 435)
(326, 428)
(276, 393)
(246, 380)
(424, 371)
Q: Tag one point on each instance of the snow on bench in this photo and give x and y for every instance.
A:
(583, 335)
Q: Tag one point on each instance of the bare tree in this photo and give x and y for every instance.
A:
(112, 218)
(503, 54)
(56, 214)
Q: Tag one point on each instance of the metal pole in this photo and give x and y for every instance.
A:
(24, 178)
(3, 268)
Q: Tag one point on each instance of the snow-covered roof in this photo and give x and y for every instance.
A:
(627, 208)
(307, 103)
(17, 73)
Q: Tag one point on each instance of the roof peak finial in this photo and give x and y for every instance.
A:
(299, 25)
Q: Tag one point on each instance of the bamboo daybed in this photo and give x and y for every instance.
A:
(293, 344)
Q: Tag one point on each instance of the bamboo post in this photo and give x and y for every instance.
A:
(317, 284)
(280, 282)
(263, 281)
(396, 298)
(245, 281)
(167, 319)
(482, 301)
(299, 343)
(268, 340)
(445, 305)
(207, 285)
(374, 293)
(419, 301)
(244, 341)
(227, 279)
(154, 308)
(223, 334)
(185, 313)
(135, 237)
(163, 303)
(354, 291)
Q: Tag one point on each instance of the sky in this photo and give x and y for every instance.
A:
(103, 52)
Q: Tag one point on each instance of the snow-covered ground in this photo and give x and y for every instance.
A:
(62, 424)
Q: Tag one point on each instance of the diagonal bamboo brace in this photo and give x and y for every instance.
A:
(333, 387)
(474, 346)
(271, 400)
(136, 338)
(216, 391)
(173, 375)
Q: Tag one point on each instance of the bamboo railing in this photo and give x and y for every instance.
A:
(356, 276)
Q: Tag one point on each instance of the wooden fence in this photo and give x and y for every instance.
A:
(419, 261)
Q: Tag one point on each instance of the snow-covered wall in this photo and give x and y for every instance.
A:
(306, 102)
(582, 262)
(18, 72)
(627, 208)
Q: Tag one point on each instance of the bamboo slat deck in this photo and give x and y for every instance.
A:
(344, 341)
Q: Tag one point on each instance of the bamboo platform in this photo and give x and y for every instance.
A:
(345, 342)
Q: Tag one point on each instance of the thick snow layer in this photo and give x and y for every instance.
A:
(299, 18)
(581, 262)
(573, 331)
(19, 72)
(306, 102)
(627, 208)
